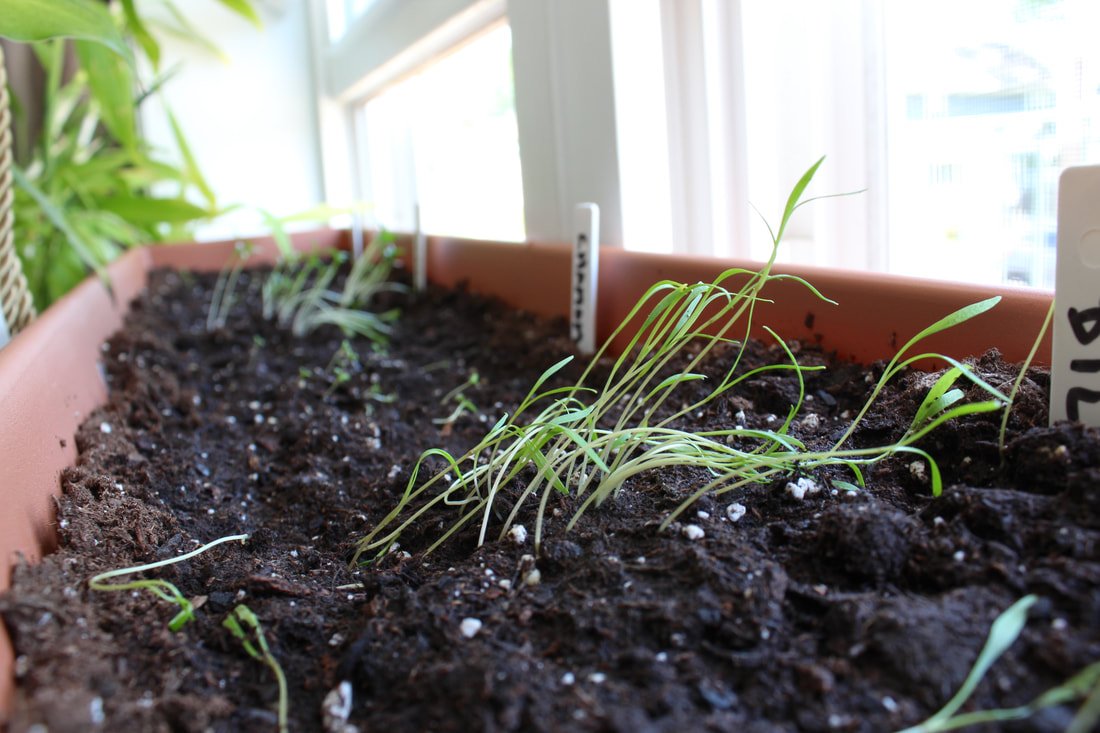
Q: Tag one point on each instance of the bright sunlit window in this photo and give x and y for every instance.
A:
(446, 139)
(988, 102)
(341, 13)
(956, 117)
(966, 114)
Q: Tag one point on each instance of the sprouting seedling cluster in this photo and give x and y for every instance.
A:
(298, 293)
(462, 403)
(161, 588)
(589, 442)
(241, 622)
(224, 295)
(244, 625)
(343, 361)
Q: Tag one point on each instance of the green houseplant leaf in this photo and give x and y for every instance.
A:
(37, 20)
(112, 84)
(146, 210)
(245, 9)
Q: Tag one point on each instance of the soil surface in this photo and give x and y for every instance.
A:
(840, 611)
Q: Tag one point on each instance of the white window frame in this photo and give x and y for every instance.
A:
(613, 92)
(565, 106)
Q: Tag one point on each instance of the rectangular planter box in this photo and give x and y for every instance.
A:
(50, 378)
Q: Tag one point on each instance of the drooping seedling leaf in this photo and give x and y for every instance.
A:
(961, 315)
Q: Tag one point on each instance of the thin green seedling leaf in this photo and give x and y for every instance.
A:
(222, 296)
(1019, 380)
(939, 397)
(244, 625)
(954, 319)
(1087, 684)
(817, 293)
(824, 196)
(964, 370)
(161, 588)
(792, 200)
(801, 382)
(845, 485)
(971, 408)
(935, 479)
(541, 380)
(574, 416)
(671, 382)
(1002, 634)
(896, 364)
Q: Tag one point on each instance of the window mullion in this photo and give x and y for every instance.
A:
(565, 113)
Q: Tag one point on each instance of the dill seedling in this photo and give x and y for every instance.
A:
(1085, 685)
(161, 588)
(222, 299)
(463, 404)
(342, 360)
(242, 618)
(589, 442)
(296, 294)
(303, 302)
(1019, 380)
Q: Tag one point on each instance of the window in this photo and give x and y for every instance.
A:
(988, 102)
(684, 118)
(445, 139)
(340, 13)
(956, 117)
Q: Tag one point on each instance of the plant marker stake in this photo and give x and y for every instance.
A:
(1075, 363)
(420, 256)
(582, 299)
(356, 233)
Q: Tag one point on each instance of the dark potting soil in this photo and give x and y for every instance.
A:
(841, 611)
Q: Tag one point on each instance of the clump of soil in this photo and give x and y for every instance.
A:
(839, 611)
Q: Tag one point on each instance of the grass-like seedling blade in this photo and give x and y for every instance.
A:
(161, 588)
(243, 624)
(222, 299)
(795, 197)
(1020, 378)
(897, 364)
(1006, 629)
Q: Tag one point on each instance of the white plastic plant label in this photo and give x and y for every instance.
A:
(586, 244)
(1075, 362)
(420, 257)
